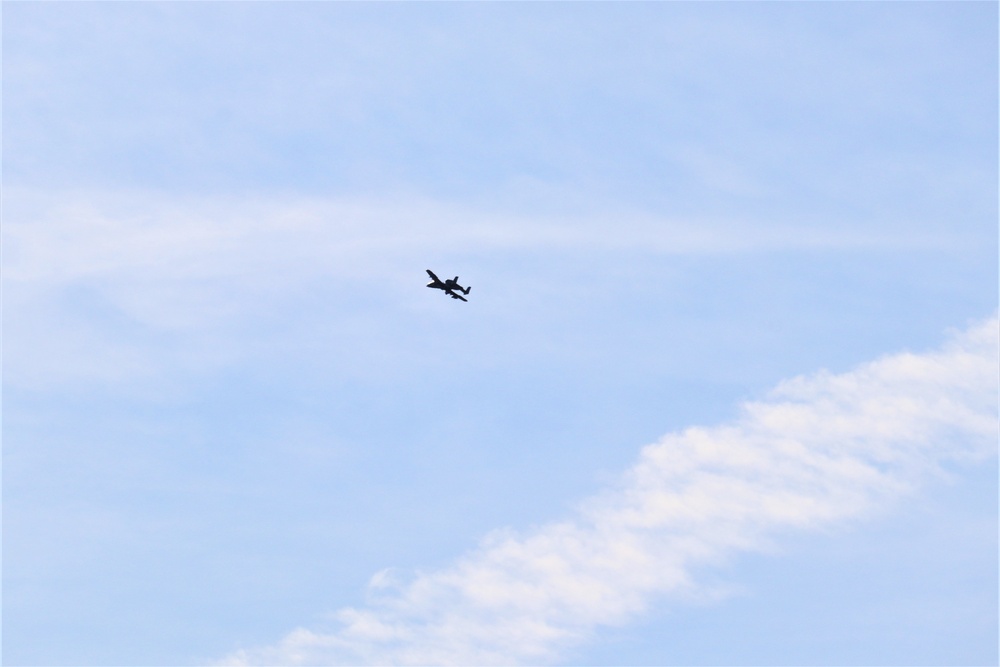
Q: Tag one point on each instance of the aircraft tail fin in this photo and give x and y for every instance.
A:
(468, 289)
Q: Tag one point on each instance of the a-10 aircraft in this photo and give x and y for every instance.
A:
(449, 286)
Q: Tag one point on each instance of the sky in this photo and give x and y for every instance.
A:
(724, 393)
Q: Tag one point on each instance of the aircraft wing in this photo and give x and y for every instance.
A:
(433, 277)
(455, 296)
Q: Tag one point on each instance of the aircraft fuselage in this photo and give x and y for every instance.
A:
(450, 286)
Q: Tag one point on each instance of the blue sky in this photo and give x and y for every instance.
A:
(724, 392)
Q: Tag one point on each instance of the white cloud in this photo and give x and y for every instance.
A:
(818, 450)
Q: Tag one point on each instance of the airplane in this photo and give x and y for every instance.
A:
(449, 286)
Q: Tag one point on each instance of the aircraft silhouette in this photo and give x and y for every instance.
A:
(449, 286)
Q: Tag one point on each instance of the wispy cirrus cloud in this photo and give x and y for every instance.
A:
(99, 283)
(818, 450)
(57, 236)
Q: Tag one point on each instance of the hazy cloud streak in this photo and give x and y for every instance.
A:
(817, 450)
(126, 285)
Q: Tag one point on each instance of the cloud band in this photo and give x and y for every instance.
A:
(817, 450)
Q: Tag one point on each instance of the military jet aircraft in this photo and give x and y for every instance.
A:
(449, 286)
